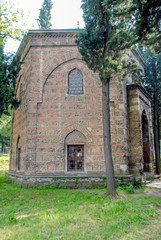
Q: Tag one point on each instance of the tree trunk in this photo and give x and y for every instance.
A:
(156, 132)
(111, 189)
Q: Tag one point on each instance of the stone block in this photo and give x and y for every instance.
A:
(51, 149)
(48, 114)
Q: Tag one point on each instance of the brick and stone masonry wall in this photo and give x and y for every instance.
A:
(61, 113)
(48, 114)
(19, 118)
(119, 126)
(137, 103)
(145, 106)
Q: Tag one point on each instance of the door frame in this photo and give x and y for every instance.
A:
(76, 158)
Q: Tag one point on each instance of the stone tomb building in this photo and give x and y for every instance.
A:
(57, 135)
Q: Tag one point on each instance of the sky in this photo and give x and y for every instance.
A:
(65, 14)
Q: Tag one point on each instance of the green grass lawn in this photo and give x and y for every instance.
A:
(48, 213)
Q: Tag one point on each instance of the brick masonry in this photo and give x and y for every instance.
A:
(139, 104)
(49, 119)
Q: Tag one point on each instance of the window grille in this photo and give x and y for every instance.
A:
(75, 82)
(75, 160)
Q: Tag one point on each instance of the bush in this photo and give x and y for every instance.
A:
(128, 187)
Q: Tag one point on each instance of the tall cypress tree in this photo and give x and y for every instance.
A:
(101, 44)
(148, 23)
(45, 15)
(143, 18)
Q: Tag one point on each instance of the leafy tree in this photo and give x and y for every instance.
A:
(101, 44)
(12, 23)
(153, 86)
(148, 23)
(5, 125)
(9, 65)
(143, 20)
(45, 15)
(9, 70)
(5, 131)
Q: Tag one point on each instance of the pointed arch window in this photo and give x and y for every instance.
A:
(18, 154)
(75, 82)
(75, 158)
(20, 92)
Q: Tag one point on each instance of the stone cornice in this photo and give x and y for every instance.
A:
(137, 86)
(33, 38)
(139, 58)
(52, 33)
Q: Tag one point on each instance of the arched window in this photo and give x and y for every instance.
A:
(75, 157)
(20, 92)
(18, 154)
(75, 145)
(75, 82)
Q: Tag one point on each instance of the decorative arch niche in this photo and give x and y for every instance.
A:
(75, 144)
(66, 69)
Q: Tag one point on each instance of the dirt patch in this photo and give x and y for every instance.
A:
(153, 189)
(152, 193)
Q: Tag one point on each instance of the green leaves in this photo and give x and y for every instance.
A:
(148, 23)
(152, 70)
(11, 26)
(5, 125)
(106, 37)
(45, 15)
(10, 67)
(12, 22)
(141, 19)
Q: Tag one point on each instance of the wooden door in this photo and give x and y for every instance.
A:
(75, 158)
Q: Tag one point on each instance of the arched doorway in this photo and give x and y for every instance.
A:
(145, 140)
